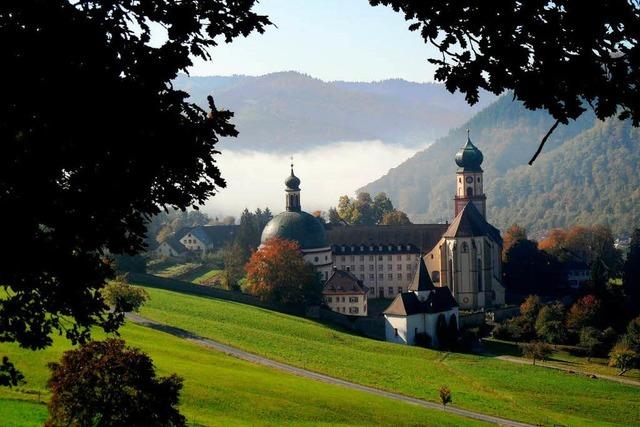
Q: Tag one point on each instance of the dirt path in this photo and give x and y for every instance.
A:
(241, 354)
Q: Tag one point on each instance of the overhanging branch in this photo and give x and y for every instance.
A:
(544, 140)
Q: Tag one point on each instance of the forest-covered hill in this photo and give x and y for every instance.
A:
(588, 172)
(289, 111)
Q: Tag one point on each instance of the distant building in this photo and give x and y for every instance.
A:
(206, 238)
(577, 272)
(383, 257)
(344, 293)
(296, 225)
(422, 310)
(171, 247)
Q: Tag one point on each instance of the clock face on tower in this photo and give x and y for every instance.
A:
(469, 180)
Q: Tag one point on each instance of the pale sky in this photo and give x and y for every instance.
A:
(327, 39)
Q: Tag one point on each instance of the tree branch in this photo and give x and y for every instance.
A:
(544, 140)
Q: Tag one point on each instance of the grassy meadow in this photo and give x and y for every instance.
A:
(532, 394)
(221, 390)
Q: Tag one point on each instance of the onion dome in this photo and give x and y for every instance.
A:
(469, 158)
(292, 182)
(300, 227)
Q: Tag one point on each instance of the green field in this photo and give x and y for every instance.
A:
(207, 278)
(221, 390)
(485, 384)
(561, 359)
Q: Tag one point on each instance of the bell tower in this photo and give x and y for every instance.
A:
(469, 179)
(292, 192)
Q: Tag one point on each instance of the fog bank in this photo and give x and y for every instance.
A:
(256, 179)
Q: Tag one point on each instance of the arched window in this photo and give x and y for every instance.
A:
(480, 287)
(469, 191)
(465, 247)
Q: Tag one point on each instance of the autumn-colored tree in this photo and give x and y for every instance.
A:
(511, 236)
(105, 383)
(278, 273)
(555, 240)
(395, 217)
(584, 312)
(623, 357)
(445, 396)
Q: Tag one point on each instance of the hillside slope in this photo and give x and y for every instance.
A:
(586, 173)
(280, 112)
(484, 384)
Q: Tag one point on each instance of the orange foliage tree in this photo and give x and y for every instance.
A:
(513, 234)
(278, 273)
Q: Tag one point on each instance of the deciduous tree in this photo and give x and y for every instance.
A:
(89, 121)
(120, 295)
(584, 313)
(536, 350)
(445, 396)
(109, 384)
(623, 357)
(395, 217)
(550, 325)
(278, 273)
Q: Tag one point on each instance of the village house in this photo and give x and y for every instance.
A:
(206, 238)
(344, 293)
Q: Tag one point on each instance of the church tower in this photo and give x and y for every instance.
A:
(469, 178)
(292, 192)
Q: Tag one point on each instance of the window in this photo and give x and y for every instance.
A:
(353, 258)
(409, 267)
(379, 266)
(343, 309)
(399, 289)
(431, 256)
(372, 276)
(469, 192)
(361, 267)
(408, 276)
(343, 267)
(353, 299)
(465, 247)
(390, 257)
(435, 276)
(390, 276)
(395, 331)
(372, 291)
(370, 267)
(380, 276)
(478, 179)
(399, 276)
(399, 266)
(379, 257)
(362, 277)
(390, 290)
(343, 258)
(389, 267)
(326, 257)
(460, 180)
(353, 268)
(408, 257)
(353, 310)
(329, 299)
(361, 257)
(316, 259)
(370, 257)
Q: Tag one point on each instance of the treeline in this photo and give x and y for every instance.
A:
(603, 320)
(364, 210)
(165, 224)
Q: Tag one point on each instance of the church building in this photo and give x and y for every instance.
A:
(299, 226)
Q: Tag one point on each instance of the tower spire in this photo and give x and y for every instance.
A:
(292, 191)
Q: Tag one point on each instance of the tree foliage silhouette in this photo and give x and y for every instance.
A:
(554, 55)
(89, 124)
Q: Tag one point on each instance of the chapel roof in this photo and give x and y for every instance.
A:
(407, 303)
(421, 280)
